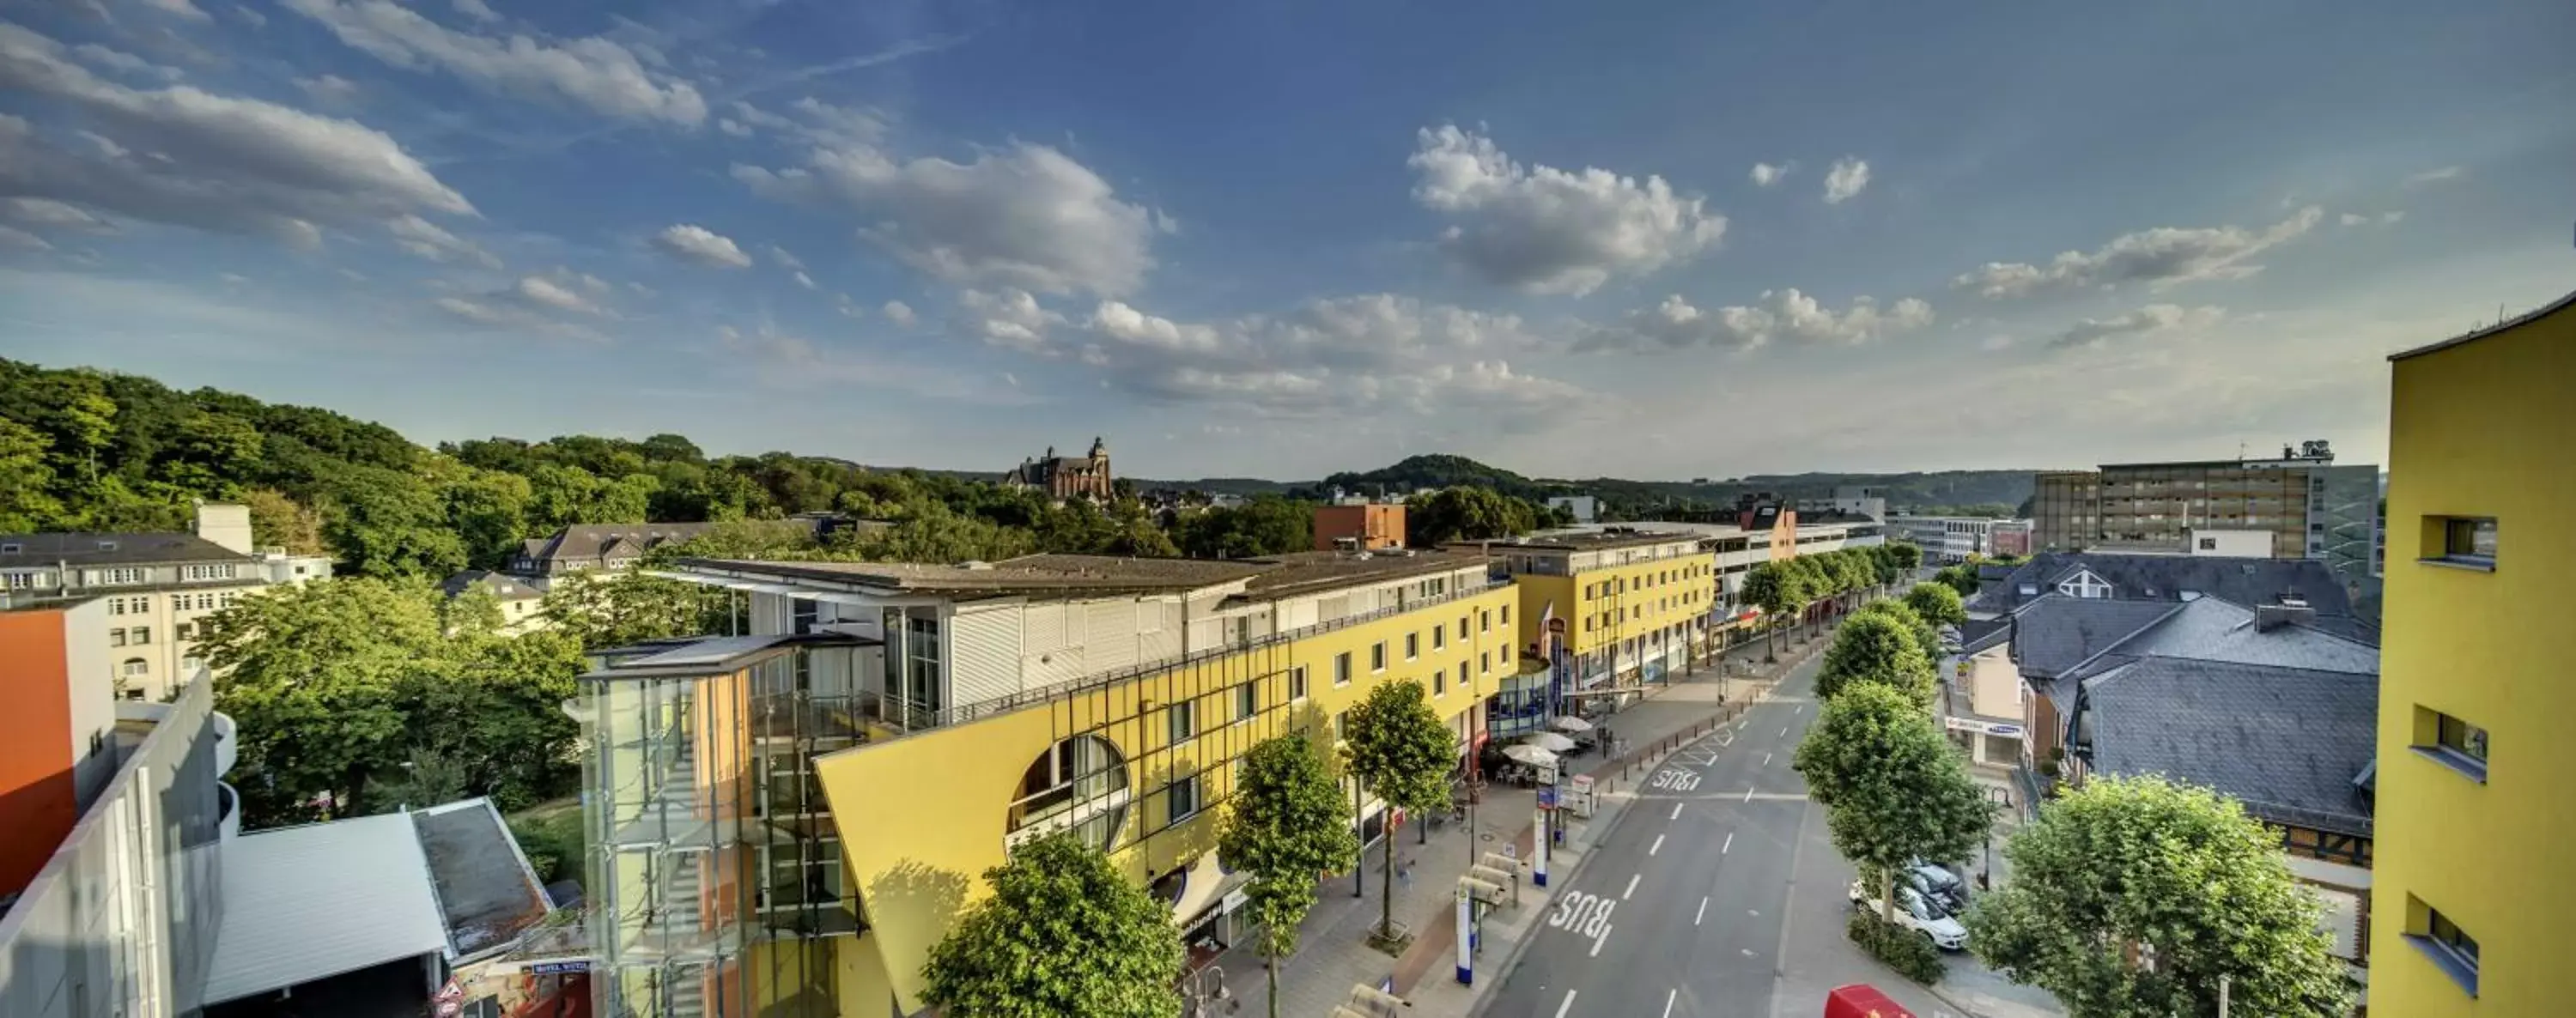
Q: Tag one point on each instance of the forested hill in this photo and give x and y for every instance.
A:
(1635, 499)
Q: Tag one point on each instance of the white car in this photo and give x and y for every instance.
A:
(1916, 913)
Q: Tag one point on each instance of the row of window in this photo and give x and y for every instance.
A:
(137, 636)
(2461, 747)
(1620, 584)
(141, 604)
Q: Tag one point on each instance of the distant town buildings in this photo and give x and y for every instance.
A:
(1066, 477)
(158, 587)
(1849, 499)
(2310, 507)
(585, 546)
(1948, 540)
(1363, 527)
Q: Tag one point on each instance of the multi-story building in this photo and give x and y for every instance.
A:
(2009, 537)
(2474, 797)
(784, 823)
(1849, 500)
(158, 587)
(1366, 526)
(1066, 477)
(1607, 611)
(1947, 540)
(2311, 507)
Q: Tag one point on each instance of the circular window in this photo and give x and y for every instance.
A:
(1078, 785)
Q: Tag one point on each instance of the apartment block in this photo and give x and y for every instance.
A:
(1606, 611)
(1947, 540)
(158, 587)
(2311, 507)
(2475, 804)
(785, 822)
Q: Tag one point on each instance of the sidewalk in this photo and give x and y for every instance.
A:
(1333, 953)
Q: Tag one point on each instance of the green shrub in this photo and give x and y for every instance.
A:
(1911, 954)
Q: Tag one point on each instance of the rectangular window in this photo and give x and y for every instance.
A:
(1377, 656)
(1462, 675)
(116, 637)
(1462, 627)
(2464, 540)
(142, 635)
(1342, 668)
(1342, 724)
(21, 581)
(135, 666)
(1485, 663)
(1297, 683)
(185, 631)
(1181, 801)
(1507, 615)
(1439, 681)
(2451, 949)
(1412, 646)
(1184, 721)
(1439, 638)
(2451, 742)
(125, 576)
(1485, 621)
(1247, 700)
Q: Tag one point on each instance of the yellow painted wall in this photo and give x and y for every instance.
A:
(922, 817)
(2486, 428)
(1641, 609)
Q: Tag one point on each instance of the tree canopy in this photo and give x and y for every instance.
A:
(1402, 752)
(1063, 933)
(1877, 647)
(1468, 513)
(1894, 788)
(1287, 824)
(1937, 604)
(2120, 865)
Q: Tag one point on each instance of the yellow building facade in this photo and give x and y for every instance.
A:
(1621, 603)
(2476, 776)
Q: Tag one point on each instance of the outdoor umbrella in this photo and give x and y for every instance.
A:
(1549, 741)
(1570, 723)
(1530, 755)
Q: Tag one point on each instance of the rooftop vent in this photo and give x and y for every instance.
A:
(976, 564)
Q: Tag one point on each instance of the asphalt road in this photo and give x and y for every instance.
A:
(1678, 913)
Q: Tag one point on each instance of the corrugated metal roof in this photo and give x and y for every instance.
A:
(305, 903)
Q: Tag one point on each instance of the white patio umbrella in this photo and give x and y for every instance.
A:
(1570, 723)
(1531, 755)
(1549, 741)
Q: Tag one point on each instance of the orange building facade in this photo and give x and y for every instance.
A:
(1371, 527)
(60, 717)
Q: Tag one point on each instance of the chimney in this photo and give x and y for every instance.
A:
(227, 525)
(2291, 610)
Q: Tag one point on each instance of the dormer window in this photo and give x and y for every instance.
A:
(11, 549)
(107, 546)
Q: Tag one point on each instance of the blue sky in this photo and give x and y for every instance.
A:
(1279, 239)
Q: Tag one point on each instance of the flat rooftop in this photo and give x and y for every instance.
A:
(1028, 574)
(1592, 541)
(1311, 571)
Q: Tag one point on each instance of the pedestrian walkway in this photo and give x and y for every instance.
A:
(1334, 953)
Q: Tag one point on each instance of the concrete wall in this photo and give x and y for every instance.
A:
(2230, 543)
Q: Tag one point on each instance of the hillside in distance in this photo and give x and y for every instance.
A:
(1635, 499)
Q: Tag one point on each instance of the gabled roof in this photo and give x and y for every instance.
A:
(502, 585)
(592, 540)
(96, 549)
(2056, 633)
(2165, 577)
(2210, 629)
(2288, 742)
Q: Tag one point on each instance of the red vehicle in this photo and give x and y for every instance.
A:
(1861, 1001)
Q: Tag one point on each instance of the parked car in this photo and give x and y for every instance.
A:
(1918, 913)
(1941, 883)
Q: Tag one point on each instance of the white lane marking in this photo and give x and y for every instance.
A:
(1730, 844)
(1569, 1003)
(1766, 759)
(1703, 911)
(1748, 795)
(1668, 1002)
(1802, 709)
(1658, 846)
(1677, 812)
(1784, 731)
(1600, 940)
(1632, 886)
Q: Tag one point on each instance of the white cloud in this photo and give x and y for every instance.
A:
(1547, 230)
(496, 315)
(1767, 174)
(183, 156)
(592, 73)
(703, 246)
(122, 62)
(2392, 217)
(1846, 179)
(898, 312)
(1025, 216)
(2437, 176)
(1007, 318)
(848, 308)
(1779, 314)
(17, 239)
(1126, 324)
(330, 89)
(733, 127)
(785, 260)
(2159, 257)
(250, 17)
(2353, 219)
(46, 213)
(805, 281)
(2149, 320)
(427, 240)
(539, 290)
(178, 8)
(476, 9)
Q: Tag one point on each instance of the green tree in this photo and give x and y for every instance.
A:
(493, 708)
(1937, 604)
(214, 453)
(1781, 592)
(1907, 556)
(314, 675)
(277, 520)
(2124, 864)
(1399, 749)
(488, 509)
(1287, 824)
(561, 496)
(1894, 789)
(1265, 525)
(1961, 578)
(936, 535)
(390, 524)
(1063, 933)
(601, 610)
(1465, 513)
(1876, 648)
(625, 500)
(27, 503)
(1925, 637)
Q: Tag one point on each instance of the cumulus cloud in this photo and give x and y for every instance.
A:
(549, 293)
(1779, 314)
(1023, 216)
(187, 157)
(898, 312)
(2149, 320)
(2159, 257)
(1007, 318)
(427, 240)
(535, 303)
(329, 88)
(783, 258)
(476, 9)
(1546, 230)
(1767, 174)
(594, 73)
(122, 62)
(2436, 176)
(1846, 180)
(698, 244)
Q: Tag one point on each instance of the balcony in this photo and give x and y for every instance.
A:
(227, 810)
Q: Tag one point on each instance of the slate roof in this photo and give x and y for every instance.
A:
(2288, 742)
(2210, 629)
(2245, 581)
(588, 541)
(2058, 632)
(95, 549)
(502, 585)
